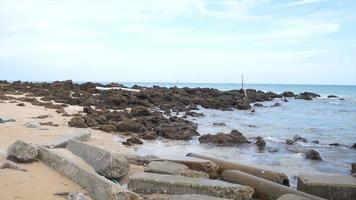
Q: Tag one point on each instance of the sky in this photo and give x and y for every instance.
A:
(198, 41)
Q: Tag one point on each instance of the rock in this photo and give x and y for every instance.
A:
(258, 105)
(90, 121)
(289, 142)
(172, 168)
(312, 154)
(88, 110)
(315, 141)
(108, 128)
(20, 104)
(130, 125)
(194, 114)
(194, 197)
(219, 124)
(276, 105)
(353, 168)
(288, 94)
(133, 140)
(297, 138)
(336, 187)
(22, 152)
(48, 124)
(332, 96)
(11, 165)
(77, 122)
(105, 163)
(260, 143)
(353, 146)
(42, 116)
(148, 183)
(150, 135)
(177, 131)
(335, 144)
(32, 124)
(285, 100)
(77, 196)
(222, 139)
(307, 96)
(139, 111)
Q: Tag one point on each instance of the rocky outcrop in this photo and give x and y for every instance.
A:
(22, 152)
(223, 139)
(307, 96)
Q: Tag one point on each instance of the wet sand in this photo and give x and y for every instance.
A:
(40, 181)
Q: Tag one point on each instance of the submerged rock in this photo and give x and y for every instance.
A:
(258, 105)
(297, 138)
(260, 143)
(312, 155)
(22, 152)
(219, 124)
(223, 139)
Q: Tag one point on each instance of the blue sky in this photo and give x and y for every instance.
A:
(269, 41)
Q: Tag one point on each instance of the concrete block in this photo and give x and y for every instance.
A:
(61, 141)
(106, 163)
(98, 186)
(148, 183)
(172, 168)
(292, 197)
(334, 187)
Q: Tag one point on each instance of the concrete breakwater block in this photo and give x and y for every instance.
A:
(148, 183)
(98, 186)
(172, 168)
(104, 162)
(292, 197)
(61, 141)
(334, 187)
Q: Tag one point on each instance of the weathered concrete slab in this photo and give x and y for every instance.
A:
(61, 141)
(148, 183)
(98, 186)
(292, 197)
(172, 168)
(194, 197)
(334, 187)
(106, 163)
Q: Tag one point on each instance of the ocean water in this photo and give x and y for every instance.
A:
(323, 119)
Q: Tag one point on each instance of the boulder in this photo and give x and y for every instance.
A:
(22, 152)
(312, 155)
(177, 131)
(222, 139)
(289, 142)
(288, 94)
(260, 143)
(130, 125)
(332, 96)
(172, 168)
(140, 111)
(258, 105)
(133, 140)
(276, 105)
(150, 135)
(20, 104)
(149, 183)
(353, 146)
(105, 163)
(297, 138)
(353, 168)
(77, 122)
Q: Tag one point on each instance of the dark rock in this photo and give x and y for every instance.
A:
(20, 104)
(140, 111)
(342, 99)
(222, 139)
(77, 122)
(134, 140)
(335, 144)
(130, 125)
(297, 138)
(194, 114)
(48, 124)
(288, 94)
(332, 96)
(353, 168)
(285, 100)
(276, 105)
(289, 142)
(307, 96)
(88, 110)
(260, 143)
(42, 116)
(177, 131)
(108, 128)
(315, 141)
(312, 154)
(258, 105)
(22, 152)
(150, 135)
(353, 146)
(90, 121)
(219, 124)
(252, 110)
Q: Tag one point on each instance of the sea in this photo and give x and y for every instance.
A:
(327, 120)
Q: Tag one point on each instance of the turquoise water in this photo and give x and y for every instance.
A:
(325, 120)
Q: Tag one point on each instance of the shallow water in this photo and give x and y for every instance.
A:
(325, 120)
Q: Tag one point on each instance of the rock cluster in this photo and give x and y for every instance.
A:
(223, 139)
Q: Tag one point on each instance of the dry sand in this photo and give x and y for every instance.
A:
(40, 181)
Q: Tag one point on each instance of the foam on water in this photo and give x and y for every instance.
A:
(326, 120)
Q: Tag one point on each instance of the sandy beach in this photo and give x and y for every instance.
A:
(40, 181)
